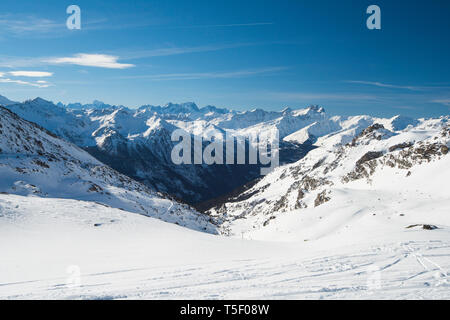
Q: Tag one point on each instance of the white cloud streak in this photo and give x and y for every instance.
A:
(31, 74)
(230, 25)
(110, 61)
(309, 96)
(170, 51)
(91, 60)
(387, 85)
(206, 75)
(20, 25)
(445, 102)
(38, 84)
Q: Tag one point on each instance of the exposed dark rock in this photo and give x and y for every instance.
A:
(300, 194)
(41, 164)
(400, 146)
(424, 226)
(95, 188)
(423, 152)
(371, 155)
(318, 163)
(281, 204)
(366, 132)
(321, 198)
(268, 220)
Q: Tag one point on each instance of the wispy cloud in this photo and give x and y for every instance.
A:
(312, 96)
(24, 24)
(104, 24)
(19, 62)
(229, 25)
(385, 85)
(31, 74)
(38, 84)
(91, 60)
(405, 107)
(442, 101)
(394, 86)
(106, 60)
(206, 75)
(110, 60)
(29, 25)
(170, 51)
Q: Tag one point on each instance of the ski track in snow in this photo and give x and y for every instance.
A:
(412, 269)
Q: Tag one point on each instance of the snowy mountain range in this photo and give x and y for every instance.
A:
(35, 162)
(138, 142)
(355, 199)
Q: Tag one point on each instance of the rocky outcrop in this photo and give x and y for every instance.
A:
(321, 198)
(375, 131)
(369, 156)
(400, 146)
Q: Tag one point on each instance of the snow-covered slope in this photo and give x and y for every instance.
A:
(68, 249)
(343, 129)
(382, 178)
(34, 162)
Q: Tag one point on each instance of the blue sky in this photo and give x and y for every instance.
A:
(235, 54)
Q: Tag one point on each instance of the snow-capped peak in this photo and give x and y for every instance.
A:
(156, 124)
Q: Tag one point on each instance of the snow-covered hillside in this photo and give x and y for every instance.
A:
(67, 249)
(384, 179)
(34, 162)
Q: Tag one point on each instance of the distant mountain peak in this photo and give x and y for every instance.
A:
(316, 108)
(214, 109)
(4, 101)
(182, 107)
(40, 103)
(40, 100)
(98, 103)
(400, 122)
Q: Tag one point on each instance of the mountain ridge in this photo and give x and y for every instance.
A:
(35, 162)
(331, 175)
(137, 142)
